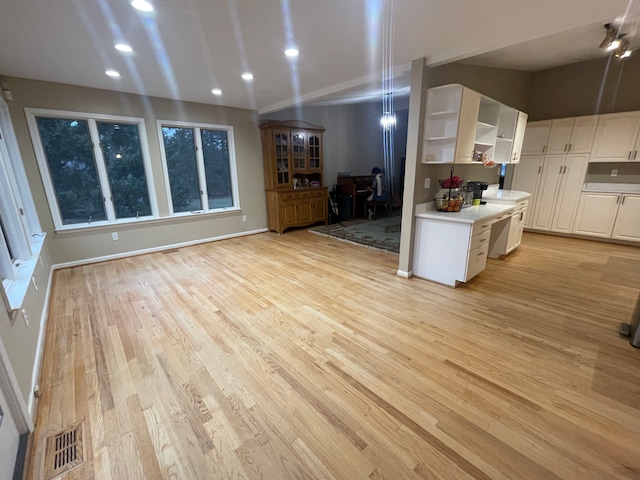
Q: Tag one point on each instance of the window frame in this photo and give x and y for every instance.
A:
(233, 169)
(23, 235)
(101, 170)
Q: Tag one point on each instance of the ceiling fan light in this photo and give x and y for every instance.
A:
(613, 45)
(610, 37)
(622, 49)
(626, 54)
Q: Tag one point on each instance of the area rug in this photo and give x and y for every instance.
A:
(383, 234)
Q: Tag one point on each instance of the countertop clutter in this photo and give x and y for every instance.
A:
(467, 215)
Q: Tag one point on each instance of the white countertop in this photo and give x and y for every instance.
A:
(612, 187)
(504, 195)
(466, 215)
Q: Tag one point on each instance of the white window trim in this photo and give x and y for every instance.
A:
(22, 230)
(231, 144)
(91, 118)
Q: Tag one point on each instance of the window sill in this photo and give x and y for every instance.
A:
(16, 290)
(145, 221)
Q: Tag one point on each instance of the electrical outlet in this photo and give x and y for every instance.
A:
(24, 316)
(614, 172)
(114, 236)
(244, 218)
(427, 183)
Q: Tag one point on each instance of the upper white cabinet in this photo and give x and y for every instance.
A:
(535, 138)
(582, 134)
(511, 128)
(560, 136)
(460, 121)
(616, 138)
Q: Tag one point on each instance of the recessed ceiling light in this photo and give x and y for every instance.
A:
(216, 91)
(292, 52)
(247, 76)
(112, 73)
(123, 47)
(142, 5)
(626, 54)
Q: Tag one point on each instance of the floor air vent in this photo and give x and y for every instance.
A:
(64, 451)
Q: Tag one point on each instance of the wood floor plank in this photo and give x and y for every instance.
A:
(301, 357)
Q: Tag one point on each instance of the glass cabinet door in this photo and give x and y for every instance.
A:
(298, 150)
(281, 142)
(314, 152)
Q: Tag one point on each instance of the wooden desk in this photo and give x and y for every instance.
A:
(356, 186)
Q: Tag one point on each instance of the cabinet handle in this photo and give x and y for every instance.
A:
(623, 197)
(565, 148)
(561, 169)
(635, 152)
(484, 226)
(480, 254)
(569, 147)
(565, 169)
(618, 200)
(629, 156)
(544, 148)
(539, 170)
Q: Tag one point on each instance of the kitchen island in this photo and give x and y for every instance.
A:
(452, 247)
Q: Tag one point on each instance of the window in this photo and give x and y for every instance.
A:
(200, 167)
(95, 168)
(20, 235)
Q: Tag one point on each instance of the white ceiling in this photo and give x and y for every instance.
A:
(187, 47)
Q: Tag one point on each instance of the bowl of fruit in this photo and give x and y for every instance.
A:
(446, 204)
(452, 182)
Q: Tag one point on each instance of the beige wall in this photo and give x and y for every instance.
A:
(21, 340)
(78, 246)
(585, 88)
(510, 87)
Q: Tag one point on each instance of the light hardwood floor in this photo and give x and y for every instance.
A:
(299, 357)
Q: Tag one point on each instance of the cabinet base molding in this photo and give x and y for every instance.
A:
(584, 237)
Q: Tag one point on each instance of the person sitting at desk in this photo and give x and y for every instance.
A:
(377, 187)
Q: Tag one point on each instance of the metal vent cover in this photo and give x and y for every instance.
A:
(63, 451)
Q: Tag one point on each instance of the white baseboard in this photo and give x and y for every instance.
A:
(37, 362)
(403, 274)
(133, 253)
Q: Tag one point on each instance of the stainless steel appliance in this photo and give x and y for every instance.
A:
(632, 330)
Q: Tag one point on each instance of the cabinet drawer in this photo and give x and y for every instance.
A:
(522, 205)
(481, 226)
(480, 239)
(476, 261)
(289, 196)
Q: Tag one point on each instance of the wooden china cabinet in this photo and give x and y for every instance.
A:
(296, 196)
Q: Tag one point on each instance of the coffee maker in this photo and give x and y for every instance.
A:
(478, 188)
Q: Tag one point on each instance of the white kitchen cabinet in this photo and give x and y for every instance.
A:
(453, 247)
(526, 179)
(596, 214)
(559, 136)
(616, 138)
(506, 236)
(555, 182)
(535, 138)
(627, 224)
(460, 121)
(521, 126)
(582, 134)
(511, 128)
(566, 200)
(545, 197)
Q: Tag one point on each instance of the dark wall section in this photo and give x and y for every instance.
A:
(593, 87)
